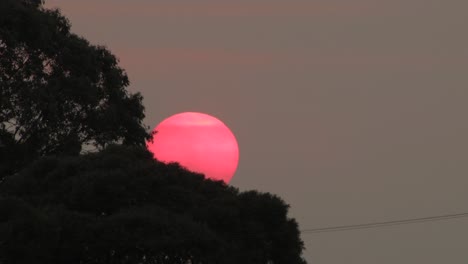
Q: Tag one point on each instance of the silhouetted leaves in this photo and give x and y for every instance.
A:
(58, 92)
(122, 206)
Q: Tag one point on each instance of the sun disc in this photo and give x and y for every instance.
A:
(199, 142)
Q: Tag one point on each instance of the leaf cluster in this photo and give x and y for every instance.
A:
(122, 206)
(58, 93)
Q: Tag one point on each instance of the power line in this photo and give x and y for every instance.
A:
(384, 224)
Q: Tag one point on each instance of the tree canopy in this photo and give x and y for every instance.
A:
(118, 205)
(58, 92)
(122, 206)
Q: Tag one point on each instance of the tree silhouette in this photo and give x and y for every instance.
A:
(58, 92)
(122, 206)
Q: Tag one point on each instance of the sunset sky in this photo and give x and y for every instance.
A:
(352, 111)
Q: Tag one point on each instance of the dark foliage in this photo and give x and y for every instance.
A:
(58, 92)
(122, 206)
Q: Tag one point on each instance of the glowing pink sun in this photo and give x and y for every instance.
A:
(199, 142)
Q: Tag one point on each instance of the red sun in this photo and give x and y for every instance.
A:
(199, 142)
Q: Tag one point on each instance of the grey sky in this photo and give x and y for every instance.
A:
(352, 111)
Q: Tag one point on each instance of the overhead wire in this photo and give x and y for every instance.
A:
(383, 224)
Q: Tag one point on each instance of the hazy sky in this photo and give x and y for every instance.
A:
(353, 111)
